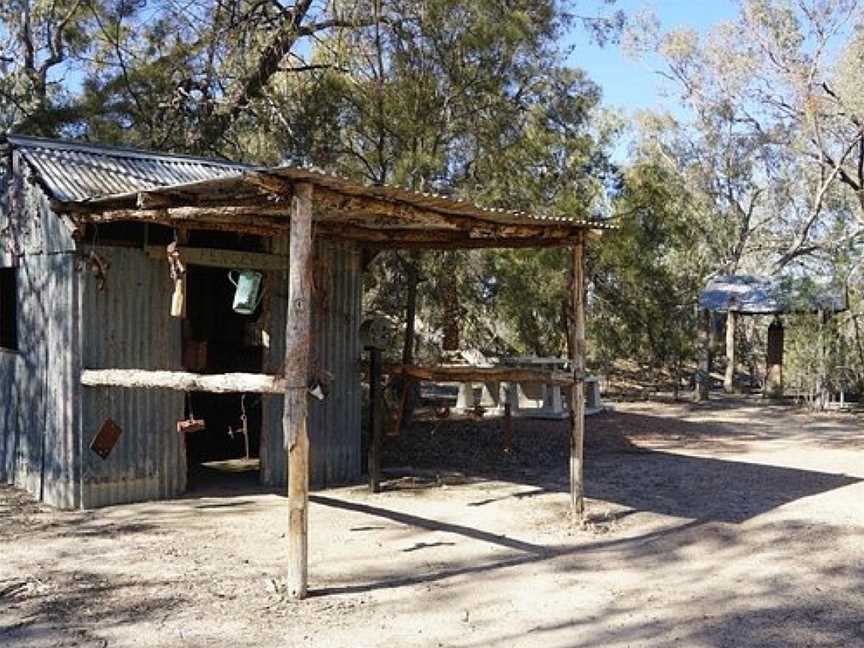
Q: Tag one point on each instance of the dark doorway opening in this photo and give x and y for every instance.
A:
(225, 453)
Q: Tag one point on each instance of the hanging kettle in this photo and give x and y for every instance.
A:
(248, 288)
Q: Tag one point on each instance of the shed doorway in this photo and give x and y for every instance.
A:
(224, 430)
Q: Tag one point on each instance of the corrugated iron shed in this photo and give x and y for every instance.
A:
(96, 328)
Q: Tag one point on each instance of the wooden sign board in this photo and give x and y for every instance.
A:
(228, 259)
(106, 438)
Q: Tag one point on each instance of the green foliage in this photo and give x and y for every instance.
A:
(36, 37)
(466, 97)
(647, 277)
(529, 294)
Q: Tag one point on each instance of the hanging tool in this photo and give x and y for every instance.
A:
(177, 270)
(244, 425)
(190, 424)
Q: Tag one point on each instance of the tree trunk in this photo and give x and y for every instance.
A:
(823, 389)
(413, 279)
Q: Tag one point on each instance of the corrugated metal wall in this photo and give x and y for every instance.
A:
(125, 325)
(334, 426)
(66, 322)
(62, 452)
(39, 384)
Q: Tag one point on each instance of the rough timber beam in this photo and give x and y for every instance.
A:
(481, 374)
(238, 219)
(184, 381)
(413, 238)
(275, 221)
(337, 202)
(370, 220)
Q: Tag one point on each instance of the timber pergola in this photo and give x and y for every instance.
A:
(747, 295)
(307, 204)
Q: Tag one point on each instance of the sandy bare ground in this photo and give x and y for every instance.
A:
(734, 524)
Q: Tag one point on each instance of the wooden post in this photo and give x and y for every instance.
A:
(297, 342)
(774, 359)
(375, 422)
(702, 389)
(508, 428)
(577, 390)
(729, 377)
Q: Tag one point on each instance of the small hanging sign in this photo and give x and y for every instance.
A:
(106, 438)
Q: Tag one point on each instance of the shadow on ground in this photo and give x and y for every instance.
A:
(617, 468)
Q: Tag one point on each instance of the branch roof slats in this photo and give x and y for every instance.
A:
(104, 184)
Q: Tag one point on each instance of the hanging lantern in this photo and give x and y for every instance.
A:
(248, 288)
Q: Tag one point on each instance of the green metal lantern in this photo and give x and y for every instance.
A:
(247, 293)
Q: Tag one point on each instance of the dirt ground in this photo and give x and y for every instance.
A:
(731, 524)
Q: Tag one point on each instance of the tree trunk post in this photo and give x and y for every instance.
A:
(729, 377)
(702, 389)
(577, 391)
(297, 342)
(375, 420)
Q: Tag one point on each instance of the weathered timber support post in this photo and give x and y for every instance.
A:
(702, 388)
(297, 342)
(577, 390)
(375, 420)
(729, 377)
(774, 359)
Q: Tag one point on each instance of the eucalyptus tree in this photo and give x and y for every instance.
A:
(37, 40)
(774, 143)
(187, 76)
(470, 98)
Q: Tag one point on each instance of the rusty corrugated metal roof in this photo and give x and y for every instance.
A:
(102, 175)
(74, 172)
